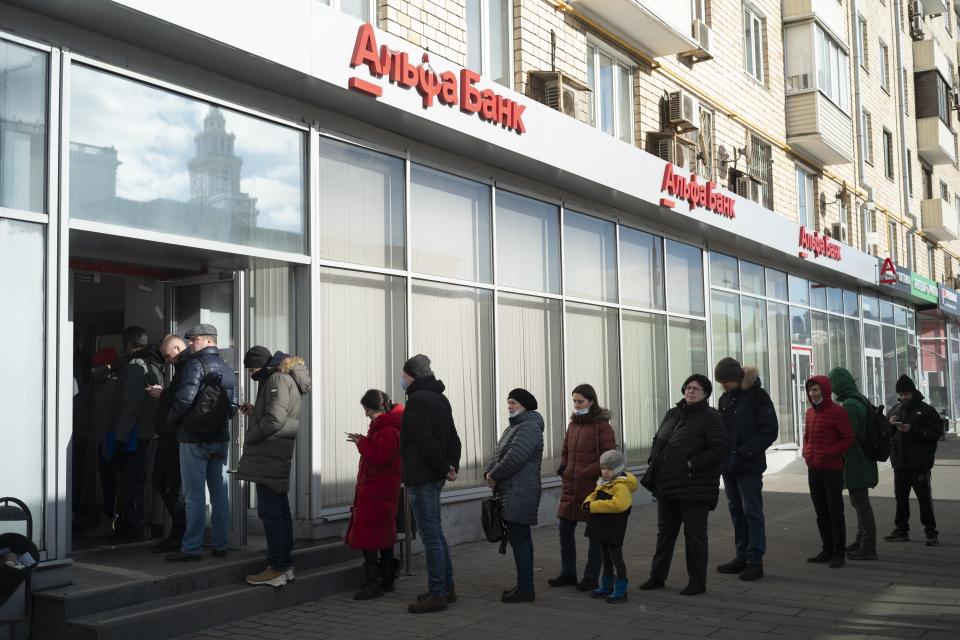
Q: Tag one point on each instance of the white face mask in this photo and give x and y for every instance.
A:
(403, 384)
(582, 412)
(514, 414)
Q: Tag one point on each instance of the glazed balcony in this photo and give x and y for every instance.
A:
(935, 141)
(818, 128)
(656, 27)
(939, 220)
(829, 12)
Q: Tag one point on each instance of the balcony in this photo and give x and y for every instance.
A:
(934, 7)
(928, 55)
(830, 13)
(935, 141)
(939, 220)
(656, 27)
(818, 128)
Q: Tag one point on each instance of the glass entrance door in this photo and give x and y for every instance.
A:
(801, 371)
(873, 376)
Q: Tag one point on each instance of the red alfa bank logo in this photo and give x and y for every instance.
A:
(444, 87)
(819, 245)
(698, 194)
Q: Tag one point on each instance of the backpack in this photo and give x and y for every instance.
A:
(877, 434)
(102, 396)
(209, 416)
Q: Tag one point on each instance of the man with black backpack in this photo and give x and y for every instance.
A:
(203, 405)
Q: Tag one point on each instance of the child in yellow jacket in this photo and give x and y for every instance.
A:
(609, 506)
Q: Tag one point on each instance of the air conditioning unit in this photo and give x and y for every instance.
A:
(703, 36)
(747, 187)
(872, 238)
(916, 27)
(838, 232)
(678, 151)
(556, 90)
(684, 110)
(799, 82)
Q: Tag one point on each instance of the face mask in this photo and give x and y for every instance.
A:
(403, 384)
(582, 412)
(514, 414)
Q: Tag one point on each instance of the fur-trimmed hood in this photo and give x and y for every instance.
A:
(294, 366)
(751, 378)
(603, 416)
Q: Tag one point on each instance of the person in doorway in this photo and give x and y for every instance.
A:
(514, 476)
(752, 426)
(103, 394)
(134, 416)
(373, 520)
(174, 350)
(917, 427)
(430, 451)
(859, 470)
(203, 461)
(826, 438)
(686, 457)
(588, 436)
(268, 442)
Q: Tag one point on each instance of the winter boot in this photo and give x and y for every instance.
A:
(429, 604)
(897, 535)
(856, 544)
(619, 593)
(752, 572)
(823, 556)
(865, 552)
(734, 566)
(373, 587)
(604, 589)
(389, 570)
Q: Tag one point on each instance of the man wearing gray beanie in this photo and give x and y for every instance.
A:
(430, 451)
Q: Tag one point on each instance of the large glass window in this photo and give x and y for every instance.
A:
(755, 346)
(361, 199)
(751, 278)
(800, 326)
(149, 159)
(781, 367)
(489, 39)
(776, 284)
(688, 352)
(445, 207)
(724, 271)
(819, 333)
(646, 388)
(684, 279)
(832, 70)
(23, 127)
(611, 93)
(590, 257)
(753, 42)
(528, 243)
(593, 354)
(725, 310)
(805, 205)
(641, 269)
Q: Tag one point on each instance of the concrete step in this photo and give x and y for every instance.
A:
(190, 612)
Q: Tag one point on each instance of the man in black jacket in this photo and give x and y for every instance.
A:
(917, 427)
(752, 425)
(430, 451)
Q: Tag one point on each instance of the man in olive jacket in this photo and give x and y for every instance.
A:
(272, 428)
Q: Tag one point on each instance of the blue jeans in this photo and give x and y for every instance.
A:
(745, 500)
(425, 503)
(522, 544)
(199, 463)
(568, 552)
(274, 511)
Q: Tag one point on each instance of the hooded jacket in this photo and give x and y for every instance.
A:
(135, 412)
(186, 393)
(272, 429)
(751, 423)
(166, 400)
(586, 439)
(373, 523)
(827, 434)
(859, 470)
(429, 444)
(609, 506)
(516, 468)
(915, 450)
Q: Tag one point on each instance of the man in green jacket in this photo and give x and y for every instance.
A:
(859, 470)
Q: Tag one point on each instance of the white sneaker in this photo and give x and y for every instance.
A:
(290, 575)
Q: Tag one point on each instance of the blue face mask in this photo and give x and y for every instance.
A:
(403, 384)
(582, 412)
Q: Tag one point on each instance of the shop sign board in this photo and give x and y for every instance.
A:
(896, 277)
(819, 245)
(949, 301)
(923, 287)
(700, 195)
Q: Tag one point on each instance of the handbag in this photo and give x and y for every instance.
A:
(647, 480)
(491, 517)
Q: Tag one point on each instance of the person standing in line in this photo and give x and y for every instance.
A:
(268, 444)
(685, 459)
(373, 519)
(917, 426)
(203, 460)
(826, 438)
(859, 470)
(430, 452)
(752, 426)
(514, 476)
(103, 394)
(588, 436)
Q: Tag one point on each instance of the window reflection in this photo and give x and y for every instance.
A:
(23, 127)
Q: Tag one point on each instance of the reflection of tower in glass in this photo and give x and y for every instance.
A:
(215, 181)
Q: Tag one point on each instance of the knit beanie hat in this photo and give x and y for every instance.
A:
(728, 370)
(905, 385)
(256, 358)
(702, 380)
(613, 460)
(524, 397)
(418, 366)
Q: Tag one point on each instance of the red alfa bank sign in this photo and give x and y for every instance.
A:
(445, 88)
(819, 245)
(698, 194)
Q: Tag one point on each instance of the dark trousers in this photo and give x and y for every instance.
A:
(522, 544)
(866, 523)
(568, 552)
(693, 516)
(108, 484)
(745, 502)
(169, 486)
(274, 511)
(920, 482)
(131, 476)
(612, 555)
(381, 557)
(826, 492)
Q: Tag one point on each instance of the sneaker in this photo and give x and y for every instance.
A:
(451, 596)
(933, 541)
(562, 581)
(823, 556)
(290, 575)
(515, 595)
(587, 584)
(429, 604)
(852, 547)
(269, 577)
(180, 556)
(897, 536)
(752, 572)
(651, 583)
(836, 562)
(734, 566)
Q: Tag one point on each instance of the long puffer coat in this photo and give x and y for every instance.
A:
(373, 524)
(687, 453)
(859, 470)
(915, 449)
(516, 468)
(585, 440)
(827, 434)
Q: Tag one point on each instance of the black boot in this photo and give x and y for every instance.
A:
(373, 587)
(389, 569)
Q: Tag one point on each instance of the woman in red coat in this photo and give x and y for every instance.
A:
(373, 524)
(826, 438)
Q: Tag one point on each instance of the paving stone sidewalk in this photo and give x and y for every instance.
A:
(913, 591)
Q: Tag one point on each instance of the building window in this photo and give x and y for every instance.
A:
(932, 261)
(893, 241)
(861, 44)
(753, 42)
(884, 60)
(805, 198)
(489, 39)
(947, 260)
(909, 173)
(360, 9)
(944, 191)
(698, 10)
(866, 130)
(932, 93)
(927, 174)
(905, 96)
(887, 153)
(832, 70)
(761, 168)
(23, 127)
(611, 88)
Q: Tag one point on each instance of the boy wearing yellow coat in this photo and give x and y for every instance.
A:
(609, 506)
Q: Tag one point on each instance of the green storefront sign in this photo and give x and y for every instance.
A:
(924, 288)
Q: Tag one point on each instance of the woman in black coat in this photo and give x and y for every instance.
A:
(684, 476)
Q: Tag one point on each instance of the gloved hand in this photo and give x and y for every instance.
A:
(561, 469)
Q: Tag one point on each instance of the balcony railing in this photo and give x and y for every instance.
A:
(818, 128)
(939, 220)
(656, 27)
